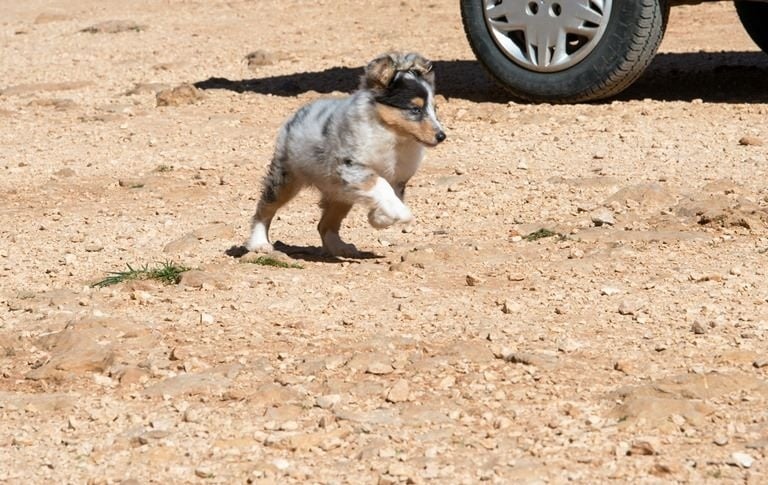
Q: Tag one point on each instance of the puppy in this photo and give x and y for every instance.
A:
(360, 149)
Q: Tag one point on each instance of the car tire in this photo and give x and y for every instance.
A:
(632, 33)
(754, 18)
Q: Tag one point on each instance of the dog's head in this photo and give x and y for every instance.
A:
(403, 86)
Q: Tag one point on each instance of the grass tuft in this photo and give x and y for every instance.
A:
(167, 272)
(162, 168)
(267, 261)
(540, 234)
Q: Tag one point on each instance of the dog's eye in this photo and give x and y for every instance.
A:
(415, 110)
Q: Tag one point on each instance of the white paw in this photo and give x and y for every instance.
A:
(381, 217)
(259, 242)
(333, 245)
(261, 248)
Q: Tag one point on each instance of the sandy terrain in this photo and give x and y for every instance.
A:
(628, 347)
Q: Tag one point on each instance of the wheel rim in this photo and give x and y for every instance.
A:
(547, 35)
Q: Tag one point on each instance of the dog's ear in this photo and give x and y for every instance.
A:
(419, 65)
(380, 72)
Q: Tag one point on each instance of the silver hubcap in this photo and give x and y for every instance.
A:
(547, 35)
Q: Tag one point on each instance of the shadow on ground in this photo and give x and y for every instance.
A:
(732, 77)
(304, 253)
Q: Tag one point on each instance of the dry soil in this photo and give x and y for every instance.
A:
(628, 346)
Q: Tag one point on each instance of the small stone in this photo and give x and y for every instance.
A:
(630, 307)
(749, 140)
(178, 96)
(603, 217)
(281, 464)
(522, 165)
(379, 368)
(626, 367)
(609, 291)
(399, 392)
(575, 253)
(179, 353)
(289, 426)
(328, 401)
(203, 472)
(761, 362)
(114, 27)
(720, 440)
(259, 58)
(206, 318)
(643, 446)
(510, 306)
(699, 328)
(741, 460)
(193, 415)
(473, 280)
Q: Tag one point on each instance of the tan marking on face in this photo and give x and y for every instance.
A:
(423, 131)
(418, 102)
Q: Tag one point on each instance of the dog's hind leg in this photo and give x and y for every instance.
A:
(279, 188)
(330, 223)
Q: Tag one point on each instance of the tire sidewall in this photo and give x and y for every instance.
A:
(606, 58)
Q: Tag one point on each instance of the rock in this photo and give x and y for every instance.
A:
(630, 307)
(741, 460)
(193, 414)
(749, 140)
(328, 401)
(147, 88)
(720, 440)
(399, 392)
(23, 89)
(259, 58)
(644, 446)
(681, 397)
(179, 96)
(59, 104)
(699, 328)
(202, 279)
(132, 376)
(473, 280)
(212, 381)
(41, 402)
(526, 358)
(609, 291)
(646, 195)
(49, 17)
(509, 307)
(215, 232)
(114, 27)
(761, 362)
(204, 472)
(73, 350)
(602, 217)
(379, 368)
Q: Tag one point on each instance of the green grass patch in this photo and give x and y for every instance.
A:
(268, 261)
(167, 272)
(540, 234)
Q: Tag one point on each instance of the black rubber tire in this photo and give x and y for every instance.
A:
(630, 41)
(754, 18)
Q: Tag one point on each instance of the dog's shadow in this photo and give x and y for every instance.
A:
(305, 253)
(717, 77)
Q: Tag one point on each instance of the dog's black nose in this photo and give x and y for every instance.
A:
(440, 136)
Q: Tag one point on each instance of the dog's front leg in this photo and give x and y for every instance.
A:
(386, 203)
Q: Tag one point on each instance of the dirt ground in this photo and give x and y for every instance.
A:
(629, 347)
